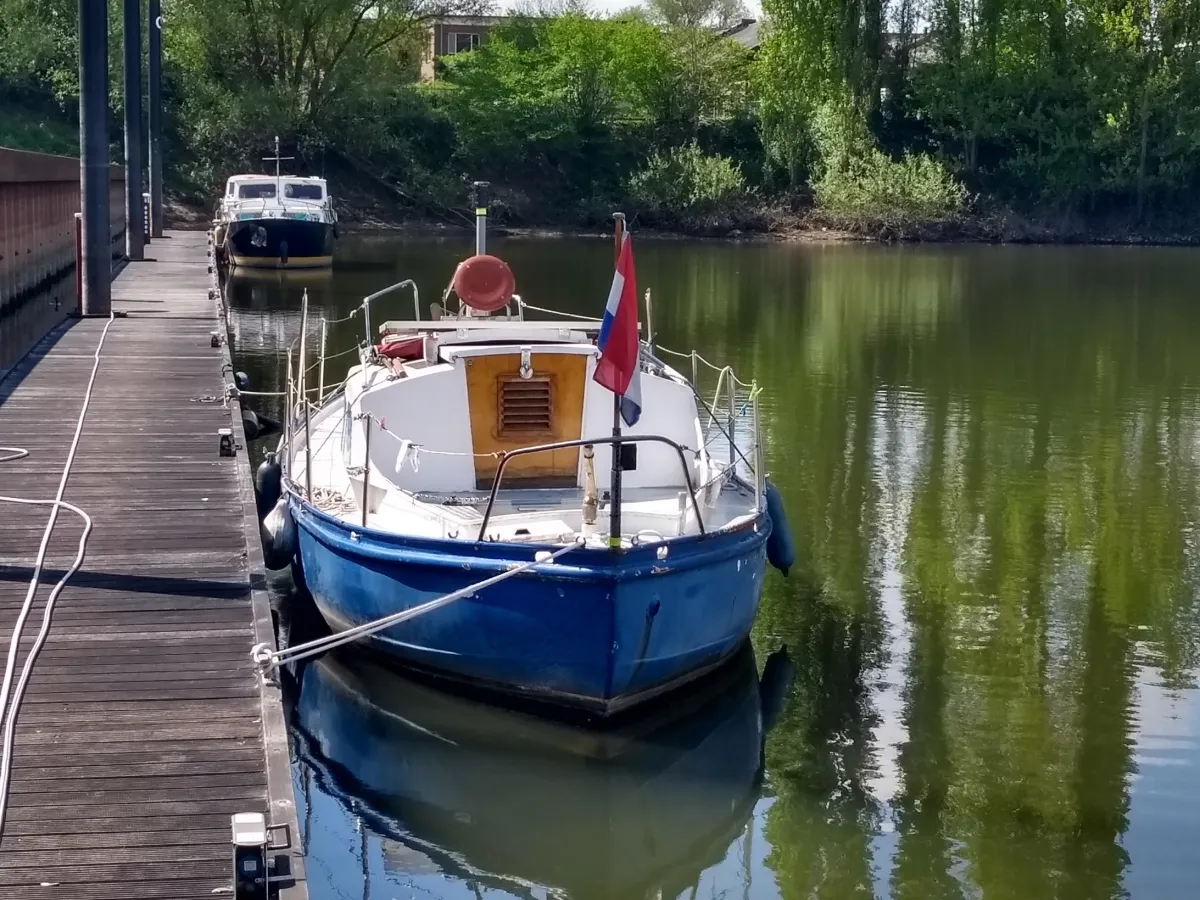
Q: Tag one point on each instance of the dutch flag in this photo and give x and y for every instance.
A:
(619, 369)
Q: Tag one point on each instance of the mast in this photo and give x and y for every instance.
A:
(276, 159)
(614, 515)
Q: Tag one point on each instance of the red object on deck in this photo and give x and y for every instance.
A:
(405, 348)
(484, 283)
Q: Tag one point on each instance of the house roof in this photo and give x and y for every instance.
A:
(744, 32)
(470, 20)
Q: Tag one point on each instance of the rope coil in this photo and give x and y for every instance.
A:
(13, 708)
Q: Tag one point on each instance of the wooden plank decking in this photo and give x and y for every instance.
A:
(145, 726)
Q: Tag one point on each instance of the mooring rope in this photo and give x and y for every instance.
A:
(11, 711)
(266, 658)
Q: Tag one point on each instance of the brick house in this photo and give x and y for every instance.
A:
(454, 34)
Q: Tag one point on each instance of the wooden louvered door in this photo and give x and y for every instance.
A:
(508, 411)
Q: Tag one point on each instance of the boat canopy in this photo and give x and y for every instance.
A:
(265, 187)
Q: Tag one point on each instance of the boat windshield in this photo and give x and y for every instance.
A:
(258, 190)
(302, 191)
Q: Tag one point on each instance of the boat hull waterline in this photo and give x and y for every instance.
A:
(269, 243)
(594, 631)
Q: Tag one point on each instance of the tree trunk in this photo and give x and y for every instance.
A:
(1142, 152)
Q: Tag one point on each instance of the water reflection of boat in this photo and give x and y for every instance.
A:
(262, 306)
(511, 801)
(277, 289)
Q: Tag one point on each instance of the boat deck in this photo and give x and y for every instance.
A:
(145, 726)
(535, 515)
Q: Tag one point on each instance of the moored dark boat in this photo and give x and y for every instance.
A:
(280, 222)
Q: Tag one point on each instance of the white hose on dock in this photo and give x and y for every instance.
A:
(10, 711)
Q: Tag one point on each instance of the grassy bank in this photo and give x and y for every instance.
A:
(36, 124)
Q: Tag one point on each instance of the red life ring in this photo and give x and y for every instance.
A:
(484, 283)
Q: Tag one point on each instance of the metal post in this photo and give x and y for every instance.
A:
(303, 382)
(614, 516)
(758, 457)
(732, 392)
(134, 227)
(79, 264)
(695, 374)
(93, 157)
(649, 321)
(154, 44)
(321, 367)
(366, 503)
(307, 453)
(289, 413)
(480, 192)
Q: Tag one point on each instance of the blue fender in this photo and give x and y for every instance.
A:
(781, 552)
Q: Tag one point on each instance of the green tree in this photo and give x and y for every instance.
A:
(697, 13)
(312, 70)
(574, 103)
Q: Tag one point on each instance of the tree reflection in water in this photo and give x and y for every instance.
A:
(989, 460)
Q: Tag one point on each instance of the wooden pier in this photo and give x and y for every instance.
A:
(145, 726)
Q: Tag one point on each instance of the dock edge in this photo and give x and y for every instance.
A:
(281, 796)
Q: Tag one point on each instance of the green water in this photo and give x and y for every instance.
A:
(989, 458)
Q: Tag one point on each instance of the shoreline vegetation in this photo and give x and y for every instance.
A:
(1037, 121)
(368, 214)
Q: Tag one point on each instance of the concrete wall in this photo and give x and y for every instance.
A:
(39, 196)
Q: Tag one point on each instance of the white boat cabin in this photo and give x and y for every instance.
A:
(267, 196)
(445, 400)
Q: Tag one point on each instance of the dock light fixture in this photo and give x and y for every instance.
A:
(250, 856)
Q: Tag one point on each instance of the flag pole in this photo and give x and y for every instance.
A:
(614, 518)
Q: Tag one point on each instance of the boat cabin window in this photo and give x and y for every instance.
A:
(229, 188)
(263, 190)
(302, 191)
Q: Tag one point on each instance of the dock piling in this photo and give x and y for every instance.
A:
(93, 157)
(134, 226)
(154, 73)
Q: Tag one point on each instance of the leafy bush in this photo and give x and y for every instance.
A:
(859, 185)
(686, 187)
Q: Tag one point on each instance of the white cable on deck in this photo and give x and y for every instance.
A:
(10, 711)
(555, 312)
